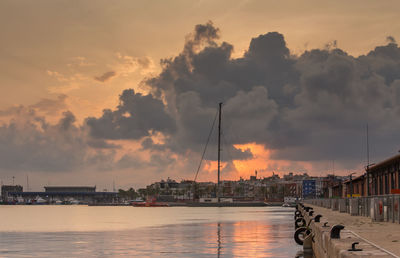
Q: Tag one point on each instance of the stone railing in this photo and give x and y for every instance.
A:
(335, 241)
(379, 208)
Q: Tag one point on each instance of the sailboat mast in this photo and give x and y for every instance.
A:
(219, 150)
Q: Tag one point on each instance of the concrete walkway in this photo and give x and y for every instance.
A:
(383, 234)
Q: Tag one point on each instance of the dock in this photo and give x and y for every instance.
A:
(375, 239)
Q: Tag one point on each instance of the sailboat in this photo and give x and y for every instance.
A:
(221, 201)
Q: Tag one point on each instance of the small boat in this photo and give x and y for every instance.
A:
(39, 200)
(149, 203)
(73, 201)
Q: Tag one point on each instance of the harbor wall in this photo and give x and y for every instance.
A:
(324, 246)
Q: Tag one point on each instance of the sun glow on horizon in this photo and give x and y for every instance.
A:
(263, 164)
(260, 162)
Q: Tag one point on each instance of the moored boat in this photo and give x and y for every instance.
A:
(149, 203)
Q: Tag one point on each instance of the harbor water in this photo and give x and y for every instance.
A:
(82, 231)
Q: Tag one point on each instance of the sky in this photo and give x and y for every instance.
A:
(96, 92)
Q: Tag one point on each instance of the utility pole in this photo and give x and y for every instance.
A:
(367, 168)
(219, 151)
(351, 185)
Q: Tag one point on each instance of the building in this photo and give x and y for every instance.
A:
(65, 194)
(309, 188)
(66, 189)
(355, 187)
(379, 179)
(7, 189)
(384, 177)
(291, 190)
(336, 190)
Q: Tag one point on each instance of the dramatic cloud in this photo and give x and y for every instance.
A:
(312, 107)
(137, 116)
(309, 108)
(29, 143)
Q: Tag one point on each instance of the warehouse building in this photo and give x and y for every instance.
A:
(67, 194)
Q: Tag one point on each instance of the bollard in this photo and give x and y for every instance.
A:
(335, 231)
(353, 247)
(300, 222)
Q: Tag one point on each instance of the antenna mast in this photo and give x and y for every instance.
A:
(219, 151)
(367, 170)
(367, 146)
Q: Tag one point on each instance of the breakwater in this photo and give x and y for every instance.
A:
(331, 234)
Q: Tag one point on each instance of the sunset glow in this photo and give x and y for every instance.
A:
(124, 95)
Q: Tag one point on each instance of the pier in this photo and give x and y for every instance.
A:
(360, 237)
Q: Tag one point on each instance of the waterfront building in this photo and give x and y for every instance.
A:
(68, 194)
(7, 189)
(379, 179)
(270, 189)
(384, 177)
(336, 190)
(309, 188)
(355, 187)
(291, 189)
(70, 189)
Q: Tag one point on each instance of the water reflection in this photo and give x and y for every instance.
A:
(269, 236)
(219, 240)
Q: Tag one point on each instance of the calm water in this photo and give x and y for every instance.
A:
(81, 231)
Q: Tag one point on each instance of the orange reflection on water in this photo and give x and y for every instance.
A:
(249, 239)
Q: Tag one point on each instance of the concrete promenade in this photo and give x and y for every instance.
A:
(384, 235)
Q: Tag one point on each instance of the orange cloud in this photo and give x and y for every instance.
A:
(259, 162)
(263, 163)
